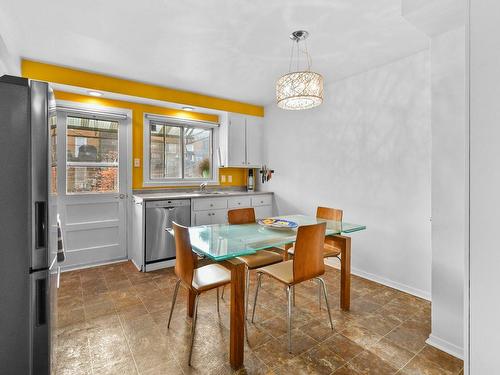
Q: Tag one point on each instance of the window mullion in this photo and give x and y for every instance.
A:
(182, 153)
(164, 151)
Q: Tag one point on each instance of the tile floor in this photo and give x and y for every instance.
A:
(113, 320)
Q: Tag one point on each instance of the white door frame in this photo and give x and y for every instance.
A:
(76, 107)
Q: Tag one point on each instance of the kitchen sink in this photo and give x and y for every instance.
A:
(211, 192)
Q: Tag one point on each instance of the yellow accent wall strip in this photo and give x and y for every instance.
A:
(100, 82)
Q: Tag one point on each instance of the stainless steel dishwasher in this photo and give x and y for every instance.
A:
(160, 244)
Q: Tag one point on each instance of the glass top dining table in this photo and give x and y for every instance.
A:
(224, 241)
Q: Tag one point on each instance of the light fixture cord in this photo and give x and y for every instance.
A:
(291, 57)
(308, 57)
(305, 51)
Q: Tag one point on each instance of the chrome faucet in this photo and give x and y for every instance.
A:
(203, 187)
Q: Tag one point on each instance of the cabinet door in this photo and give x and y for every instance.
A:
(236, 141)
(254, 141)
(218, 216)
(202, 218)
(263, 212)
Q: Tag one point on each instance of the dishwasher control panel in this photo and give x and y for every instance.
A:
(169, 203)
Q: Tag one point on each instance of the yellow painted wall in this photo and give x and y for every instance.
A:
(100, 82)
(138, 110)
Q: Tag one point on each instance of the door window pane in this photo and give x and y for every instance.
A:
(197, 153)
(91, 155)
(86, 179)
(165, 151)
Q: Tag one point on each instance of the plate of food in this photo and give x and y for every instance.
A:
(281, 224)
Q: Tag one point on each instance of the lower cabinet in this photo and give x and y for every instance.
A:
(209, 217)
(207, 211)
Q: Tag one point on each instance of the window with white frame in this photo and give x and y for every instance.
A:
(178, 152)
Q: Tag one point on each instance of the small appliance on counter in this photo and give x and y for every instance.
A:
(250, 180)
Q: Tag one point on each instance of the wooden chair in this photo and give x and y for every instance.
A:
(261, 258)
(198, 280)
(329, 248)
(307, 264)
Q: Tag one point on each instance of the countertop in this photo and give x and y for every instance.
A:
(188, 195)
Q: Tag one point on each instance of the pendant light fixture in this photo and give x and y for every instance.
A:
(299, 89)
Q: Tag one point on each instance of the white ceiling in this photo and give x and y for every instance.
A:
(233, 49)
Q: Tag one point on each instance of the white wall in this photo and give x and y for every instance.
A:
(448, 190)
(484, 186)
(367, 150)
(8, 63)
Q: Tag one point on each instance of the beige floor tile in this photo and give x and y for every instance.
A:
(444, 360)
(343, 347)
(113, 320)
(124, 367)
(369, 364)
(391, 353)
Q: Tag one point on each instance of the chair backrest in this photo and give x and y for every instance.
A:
(185, 258)
(308, 261)
(241, 216)
(328, 213)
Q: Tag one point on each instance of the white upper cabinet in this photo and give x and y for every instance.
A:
(237, 141)
(254, 141)
(240, 141)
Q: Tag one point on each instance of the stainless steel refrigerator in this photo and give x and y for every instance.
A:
(28, 226)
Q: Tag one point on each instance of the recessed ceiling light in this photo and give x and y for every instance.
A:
(95, 93)
(189, 109)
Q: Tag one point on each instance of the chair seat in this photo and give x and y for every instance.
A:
(210, 277)
(280, 271)
(260, 259)
(328, 251)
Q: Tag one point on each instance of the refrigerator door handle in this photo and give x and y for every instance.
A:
(40, 224)
(41, 302)
(39, 322)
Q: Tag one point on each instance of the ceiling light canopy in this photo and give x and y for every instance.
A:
(189, 109)
(302, 88)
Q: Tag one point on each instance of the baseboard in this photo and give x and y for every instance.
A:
(445, 346)
(90, 265)
(384, 281)
(136, 265)
(159, 265)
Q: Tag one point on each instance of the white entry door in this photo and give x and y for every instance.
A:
(92, 159)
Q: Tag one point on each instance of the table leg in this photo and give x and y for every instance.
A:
(237, 313)
(344, 243)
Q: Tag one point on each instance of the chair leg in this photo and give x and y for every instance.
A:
(259, 276)
(326, 300)
(319, 295)
(193, 327)
(173, 301)
(218, 310)
(289, 292)
(247, 290)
